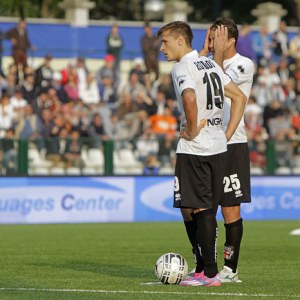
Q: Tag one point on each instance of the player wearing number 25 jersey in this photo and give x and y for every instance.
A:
(240, 69)
(199, 170)
(236, 181)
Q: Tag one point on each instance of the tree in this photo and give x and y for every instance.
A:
(207, 11)
(203, 11)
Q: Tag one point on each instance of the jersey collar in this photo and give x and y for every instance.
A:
(188, 55)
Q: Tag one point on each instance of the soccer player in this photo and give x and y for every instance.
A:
(236, 182)
(201, 150)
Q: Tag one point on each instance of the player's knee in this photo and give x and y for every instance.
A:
(186, 214)
(231, 214)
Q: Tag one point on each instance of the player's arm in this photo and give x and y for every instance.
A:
(205, 50)
(238, 103)
(191, 113)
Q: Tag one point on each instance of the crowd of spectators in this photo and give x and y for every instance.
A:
(273, 111)
(61, 112)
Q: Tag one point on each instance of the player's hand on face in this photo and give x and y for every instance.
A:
(221, 42)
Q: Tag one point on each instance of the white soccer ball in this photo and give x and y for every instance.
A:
(171, 268)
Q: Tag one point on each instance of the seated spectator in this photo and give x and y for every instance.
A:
(261, 44)
(59, 124)
(277, 92)
(107, 91)
(295, 121)
(167, 147)
(161, 102)
(138, 68)
(165, 85)
(70, 70)
(271, 111)
(72, 153)
(290, 94)
(96, 132)
(147, 144)
(261, 92)
(133, 86)
(17, 101)
(56, 104)
(29, 127)
(145, 103)
(294, 48)
(58, 87)
(131, 120)
(283, 149)
(89, 92)
(7, 114)
(257, 153)
(172, 105)
(253, 114)
(108, 70)
(105, 112)
(151, 166)
(82, 72)
(3, 82)
(8, 153)
(56, 147)
(28, 88)
(44, 74)
(284, 71)
(280, 123)
(11, 85)
(42, 102)
(163, 124)
(71, 88)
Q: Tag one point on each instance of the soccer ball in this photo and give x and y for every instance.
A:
(171, 268)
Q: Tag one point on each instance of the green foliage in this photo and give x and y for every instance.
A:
(203, 11)
(114, 261)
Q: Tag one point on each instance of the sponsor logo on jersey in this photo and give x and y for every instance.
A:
(238, 194)
(214, 122)
(177, 197)
(180, 80)
(241, 69)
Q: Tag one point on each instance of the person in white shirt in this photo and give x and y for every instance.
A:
(236, 182)
(201, 150)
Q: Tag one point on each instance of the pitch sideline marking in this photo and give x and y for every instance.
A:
(142, 292)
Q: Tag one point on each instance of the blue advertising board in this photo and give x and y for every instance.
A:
(30, 200)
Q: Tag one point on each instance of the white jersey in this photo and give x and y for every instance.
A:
(240, 69)
(207, 79)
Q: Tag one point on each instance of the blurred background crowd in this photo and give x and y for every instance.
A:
(68, 114)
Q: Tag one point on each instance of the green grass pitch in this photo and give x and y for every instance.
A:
(116, 261)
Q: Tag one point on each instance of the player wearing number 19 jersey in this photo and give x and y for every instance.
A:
(199, 171)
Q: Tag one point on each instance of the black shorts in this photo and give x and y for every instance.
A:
(236, 182)
(198, 180)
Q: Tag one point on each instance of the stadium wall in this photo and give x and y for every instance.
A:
(36, 200)
(66, 42)
(63, 40)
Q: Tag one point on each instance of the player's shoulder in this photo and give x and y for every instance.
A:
(244, 60)
(242, 64)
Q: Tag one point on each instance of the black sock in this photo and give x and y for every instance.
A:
(191, 228)
(207, 232)
(234, 234)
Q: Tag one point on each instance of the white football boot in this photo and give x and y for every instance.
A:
(226, 275)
